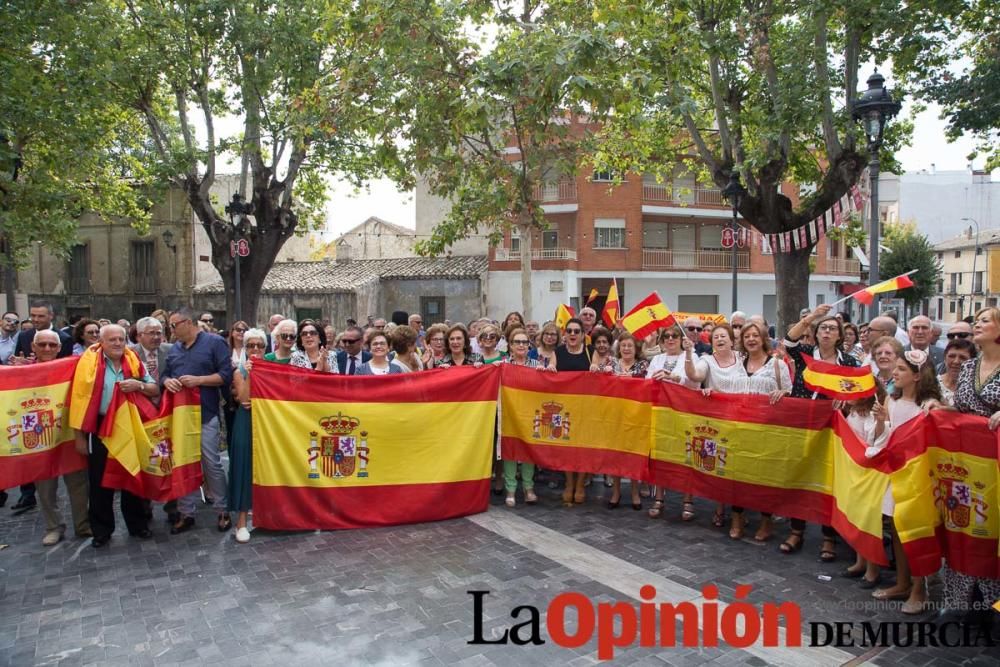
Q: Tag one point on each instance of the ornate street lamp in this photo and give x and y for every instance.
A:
(872, 110)
(238, 210)
(734, 192)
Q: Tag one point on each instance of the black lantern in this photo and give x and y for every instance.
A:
(734, 192)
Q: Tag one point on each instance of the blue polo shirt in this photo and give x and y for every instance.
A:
(208, 354)
(111, 378)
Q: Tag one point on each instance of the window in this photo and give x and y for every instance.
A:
(143, 267)
(550, 239)
(958, 254)
(820, 299)
(655, 235)
(954, 283)
(141, 310)
(309, 314)
(940, 309)
(609, 233)
(960, 278)
(432, 310)
(979, 250)
(683, 186)
(977, 283)
(951, 306)
(608, 176)
(79, 269)
(979, 305)
(698, 303)
(940, 286)
(711, 237)
(515, 241)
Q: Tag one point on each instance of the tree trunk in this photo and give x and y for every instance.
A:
(791, 271)
(526, 230)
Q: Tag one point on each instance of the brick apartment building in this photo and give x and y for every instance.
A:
(663, 236)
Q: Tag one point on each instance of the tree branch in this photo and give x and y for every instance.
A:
(833, 147)
(852, 50)
(206, 108)
(760, 45)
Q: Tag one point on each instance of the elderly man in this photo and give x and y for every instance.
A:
(46, 346)
(352, 353)
(920, 338)
(959, 330)
(115, 373)
(692, 328)
(151, 349)
(736, 321)
(272, 322)
(589, 318)
(200, 359)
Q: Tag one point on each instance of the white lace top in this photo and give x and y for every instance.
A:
(674, 365)
(727, 379)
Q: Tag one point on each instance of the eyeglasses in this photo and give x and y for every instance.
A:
(349, 341)
(550, 333)
(286, 336)
(380, 343)
(959, 334)
(489, 336)
(828, 329)
(520, 342)
(437, 339)
(572, 332)
(309, 332)
(693, 329)
(240, 330)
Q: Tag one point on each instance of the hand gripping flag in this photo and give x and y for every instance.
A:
(866, 296)
(838, 382)
(648, 315)
(563, 315)
(612, 308)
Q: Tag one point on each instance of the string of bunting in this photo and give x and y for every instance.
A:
(807, 234)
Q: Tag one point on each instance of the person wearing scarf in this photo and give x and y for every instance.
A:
(101, 368)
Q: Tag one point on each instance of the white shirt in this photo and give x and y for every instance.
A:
(764, 379)
(727, 379)
(675, 364)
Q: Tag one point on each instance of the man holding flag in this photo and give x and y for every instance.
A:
(102, 368)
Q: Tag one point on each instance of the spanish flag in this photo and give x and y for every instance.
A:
(157, 450)
(648, 315)
(612, 308)
(866, 296)
(593, 295)
(39, 443)
(563, 315)
(88, 383)
(331, 451)
(838, 382)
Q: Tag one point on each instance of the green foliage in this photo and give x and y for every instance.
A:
(910, 250)
(73, 147)
(853, 233)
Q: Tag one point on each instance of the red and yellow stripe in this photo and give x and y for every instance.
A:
(838, 382)
(39, 443)
(867, 295)
(401, 448)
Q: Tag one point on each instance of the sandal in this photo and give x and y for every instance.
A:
(580, 497)
(719, 518)
(789, 546)
(736, 526)
(225, 523)
(887, 594)
(764, 532)
(656, 510)
(828, 555)
(687, 513)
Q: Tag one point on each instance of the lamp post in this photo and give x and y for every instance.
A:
(734, 192)
(873, 109)
(975, 256)
(238, 210)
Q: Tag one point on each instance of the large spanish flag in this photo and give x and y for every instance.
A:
(154, 452)
(331, 451)
(945, 484)
(648, 315)
(39, 443)
(838, 382)
(583, 422)
(867, 295)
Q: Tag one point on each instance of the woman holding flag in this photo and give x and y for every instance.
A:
(574, 355)
(241, 449)
(828, 333)
(545, 346)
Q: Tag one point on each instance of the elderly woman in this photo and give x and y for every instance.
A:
(519, 344)
(886, 350)
(489, 339)
(404, 345)
(977, 392)
(434, 351)
(379, 364)
(956, 354)
(459, 349)
(602, 360)
(311, 349)
(241, 444)
(852, 342)
(85, 333)
(284, 336)
(545, 347)
(828, 332)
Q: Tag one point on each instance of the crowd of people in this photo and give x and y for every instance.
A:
(740, 355)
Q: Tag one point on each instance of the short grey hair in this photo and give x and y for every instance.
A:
(146, 322)
(46, 332)
(738, 313)
(108, 328)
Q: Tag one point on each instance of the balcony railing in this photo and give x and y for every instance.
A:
(839, 265)
(710, 260)
(698, 196)
(506, 255)
(553, 191)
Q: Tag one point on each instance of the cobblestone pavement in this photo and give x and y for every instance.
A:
(396, 596)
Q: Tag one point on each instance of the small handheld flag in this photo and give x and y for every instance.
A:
(612, 309)
(648, 315)
(593, 295)
(563, 315)
(866, 296)
(838, 382)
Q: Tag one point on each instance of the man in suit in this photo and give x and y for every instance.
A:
(920, 339)
(151, 349)
(352, 353)
(272, 322)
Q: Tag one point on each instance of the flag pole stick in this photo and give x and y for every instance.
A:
(851, 296)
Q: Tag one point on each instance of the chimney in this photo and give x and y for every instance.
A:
(933, 168)
(968, 232)
(343, 254)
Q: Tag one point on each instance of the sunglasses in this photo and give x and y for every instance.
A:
(11, 320)
(672, 336)
(488, 336)
(960, 334)
(207, 320)
(520, 342)
(48, 345)
(349, 341)
(92, 332)
(694, 329)
(255, 346)
(572, 332)
(174, 325)
(286, 336)
(310, 333)
(240, 330)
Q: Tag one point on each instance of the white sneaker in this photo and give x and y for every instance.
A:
(509, 501)
(52, 538)
(242, 535)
